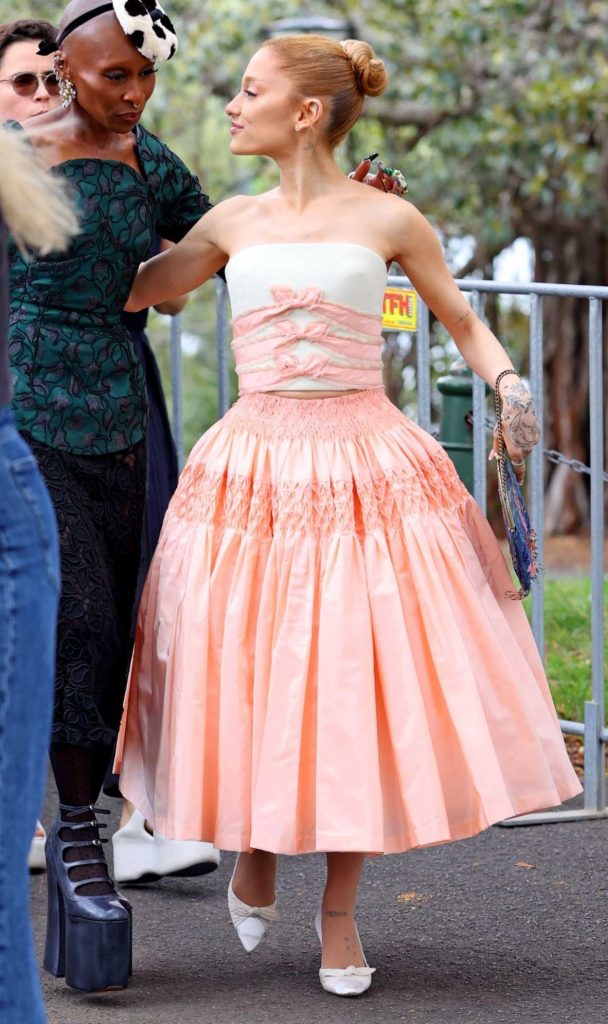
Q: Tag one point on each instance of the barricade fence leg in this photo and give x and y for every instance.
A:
(595, 708)
(177, 390)
(480, 461)
(223, 377)
(536, 487)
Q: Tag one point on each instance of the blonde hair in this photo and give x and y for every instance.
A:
(346, 72)
(33, 203)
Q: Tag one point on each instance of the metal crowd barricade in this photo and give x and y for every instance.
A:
(593, 728)
(223, 367)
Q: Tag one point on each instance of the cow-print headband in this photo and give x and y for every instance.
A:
(144, 23)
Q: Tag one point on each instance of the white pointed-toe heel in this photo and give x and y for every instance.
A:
(142, 856)
(251, 923)
(347, 981)
(36, 860)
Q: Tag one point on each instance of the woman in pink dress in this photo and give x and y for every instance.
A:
(326, 657)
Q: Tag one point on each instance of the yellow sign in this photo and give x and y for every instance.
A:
(400, 310)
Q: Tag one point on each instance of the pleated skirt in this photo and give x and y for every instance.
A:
(326, 658)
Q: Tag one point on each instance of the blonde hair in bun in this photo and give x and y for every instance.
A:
(370, 72)
(345, 73)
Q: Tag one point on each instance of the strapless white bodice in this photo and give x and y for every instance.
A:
(307, 316)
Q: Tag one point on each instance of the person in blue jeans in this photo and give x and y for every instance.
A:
(37, 215)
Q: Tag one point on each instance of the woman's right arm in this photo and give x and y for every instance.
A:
(182, 269)
(174, 306)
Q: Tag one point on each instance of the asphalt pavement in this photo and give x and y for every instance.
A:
(507, 928)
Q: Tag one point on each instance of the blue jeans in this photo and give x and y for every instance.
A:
(29, 591)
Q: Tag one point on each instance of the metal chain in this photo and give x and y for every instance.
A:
(575, 464)
(552, 455)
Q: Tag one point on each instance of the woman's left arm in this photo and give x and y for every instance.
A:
(420, 255)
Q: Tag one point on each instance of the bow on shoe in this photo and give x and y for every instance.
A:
(348, 972)
(250, 923)
(241, 912)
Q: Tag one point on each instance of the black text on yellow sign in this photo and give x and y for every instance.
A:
(400, 309)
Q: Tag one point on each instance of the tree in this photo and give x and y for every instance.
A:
(496, 112)
(505, 109)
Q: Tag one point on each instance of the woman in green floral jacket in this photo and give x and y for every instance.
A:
(79, 400)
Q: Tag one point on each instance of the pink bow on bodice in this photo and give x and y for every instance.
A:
(312, 365)
(288, 298)
(289, 331)
(265, 342)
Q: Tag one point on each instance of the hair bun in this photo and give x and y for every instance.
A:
(370, 72)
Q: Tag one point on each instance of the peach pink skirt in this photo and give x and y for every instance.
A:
(326, 658)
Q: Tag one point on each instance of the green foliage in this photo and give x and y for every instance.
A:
(502, 103)
(568, 643)
(495, 111)
(43, 9)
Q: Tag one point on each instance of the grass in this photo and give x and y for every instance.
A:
(568, 643)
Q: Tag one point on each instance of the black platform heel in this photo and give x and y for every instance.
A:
(88, 938)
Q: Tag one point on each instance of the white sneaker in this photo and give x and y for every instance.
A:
(142, 857)
(36, 860)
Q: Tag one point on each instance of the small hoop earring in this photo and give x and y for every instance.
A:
(67, 89)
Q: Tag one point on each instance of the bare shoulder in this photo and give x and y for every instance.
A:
(401, 231)
(235, 203)
(241, 206)
(233, 210)
(370, 194)
(397, 212)
(236, 218)
(408, 230)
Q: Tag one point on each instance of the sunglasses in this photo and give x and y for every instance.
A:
(26, 83)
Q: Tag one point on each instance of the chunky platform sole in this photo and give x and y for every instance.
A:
(196, 871)
(92, 955)
(141, 856)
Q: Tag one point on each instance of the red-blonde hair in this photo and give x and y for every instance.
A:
(346, 72)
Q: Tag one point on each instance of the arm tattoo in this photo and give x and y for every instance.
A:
(518, 416)
(336, 913)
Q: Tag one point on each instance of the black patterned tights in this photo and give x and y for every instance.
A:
(99, 504)
(79, 772)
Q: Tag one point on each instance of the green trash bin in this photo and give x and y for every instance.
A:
(455, 428)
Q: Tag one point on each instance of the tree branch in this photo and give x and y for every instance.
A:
(401, 113)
